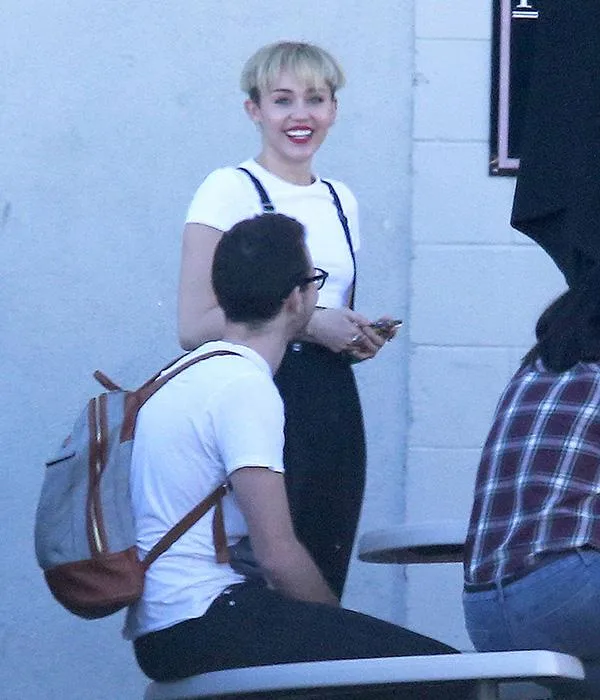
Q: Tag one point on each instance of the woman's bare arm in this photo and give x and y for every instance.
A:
(199, 316)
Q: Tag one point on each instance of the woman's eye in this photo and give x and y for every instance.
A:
(282, 100)
(316, 99)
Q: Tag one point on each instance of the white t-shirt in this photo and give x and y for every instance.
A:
(217, 416)
(227, 196)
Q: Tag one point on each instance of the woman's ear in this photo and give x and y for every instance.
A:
(252, 110)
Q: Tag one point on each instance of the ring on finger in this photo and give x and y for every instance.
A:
(355, 338)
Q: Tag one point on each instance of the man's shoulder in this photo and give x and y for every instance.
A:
(240, 372)
(217, 371)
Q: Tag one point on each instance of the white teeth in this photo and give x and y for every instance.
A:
(299, 133)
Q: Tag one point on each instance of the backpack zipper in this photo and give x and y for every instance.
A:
(97, 473)
(95, 529)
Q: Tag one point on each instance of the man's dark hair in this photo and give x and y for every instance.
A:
(256, 266)
(568, 331)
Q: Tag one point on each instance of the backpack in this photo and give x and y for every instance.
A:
(85, 538)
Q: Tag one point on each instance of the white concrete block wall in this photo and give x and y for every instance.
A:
(111, 115)
(111, 119)
(476, 289)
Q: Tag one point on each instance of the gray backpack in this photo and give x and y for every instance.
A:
(85, 537)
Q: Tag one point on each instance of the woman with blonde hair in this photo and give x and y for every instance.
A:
(291, 92)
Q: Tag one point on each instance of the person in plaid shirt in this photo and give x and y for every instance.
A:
(532, 560)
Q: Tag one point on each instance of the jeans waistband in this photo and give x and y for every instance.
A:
(543, 560)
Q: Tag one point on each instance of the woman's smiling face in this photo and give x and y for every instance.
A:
(294, 119)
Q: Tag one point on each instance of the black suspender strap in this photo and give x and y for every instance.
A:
(268, 208)
(344, 221)
(267, 204)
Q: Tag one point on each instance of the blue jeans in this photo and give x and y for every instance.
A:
(555, 607)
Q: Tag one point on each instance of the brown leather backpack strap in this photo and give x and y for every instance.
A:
(154, 384)
(136, 399)
(213, 499)
(219, 536)
(154, 377)
(106, 382)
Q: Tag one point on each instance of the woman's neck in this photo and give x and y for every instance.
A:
(296, 173)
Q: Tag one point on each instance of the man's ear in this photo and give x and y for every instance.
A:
(294, 301)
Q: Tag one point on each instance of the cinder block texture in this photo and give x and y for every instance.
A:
(452, 81)
(480, 295)
(452, 19)
(454, 199)
(454, 392)
(440, 483)
(112, 114)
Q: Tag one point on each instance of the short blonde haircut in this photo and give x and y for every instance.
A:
(307, 62)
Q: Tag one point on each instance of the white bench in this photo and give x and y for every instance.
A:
(428, 542)
(487, 670)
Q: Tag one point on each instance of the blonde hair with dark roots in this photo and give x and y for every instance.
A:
(308, 63)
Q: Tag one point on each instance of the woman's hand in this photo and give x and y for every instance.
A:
(344, 330)
(367, 345)
(387, 327)
(372, 340)
(338, 330)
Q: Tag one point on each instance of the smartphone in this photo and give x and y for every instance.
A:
(386, 325)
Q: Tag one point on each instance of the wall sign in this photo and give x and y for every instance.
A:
(513, 44)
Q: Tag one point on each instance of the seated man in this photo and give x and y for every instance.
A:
(532, 565)
(219, 421)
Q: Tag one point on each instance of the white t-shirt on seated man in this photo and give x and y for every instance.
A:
(214, 418)
(221, 420)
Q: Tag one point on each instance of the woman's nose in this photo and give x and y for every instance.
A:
(300, 109)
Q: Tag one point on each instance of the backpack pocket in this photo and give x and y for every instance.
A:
(54, 520)
(65, 453)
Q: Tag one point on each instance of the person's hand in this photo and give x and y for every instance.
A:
(372, 340)
(367, 344)
(340, 330)
(387, 327)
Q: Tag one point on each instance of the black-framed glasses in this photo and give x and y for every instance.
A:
(318, 278)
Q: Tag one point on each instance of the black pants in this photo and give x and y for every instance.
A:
(251, 625)
(324, 454)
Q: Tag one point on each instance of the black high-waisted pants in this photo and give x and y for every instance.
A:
(251, 625)
(324, 454)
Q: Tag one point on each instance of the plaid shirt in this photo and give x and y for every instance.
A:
(538, 483)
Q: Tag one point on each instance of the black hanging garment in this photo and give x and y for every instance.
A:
(557, 198)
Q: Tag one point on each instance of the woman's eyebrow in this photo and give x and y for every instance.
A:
(310, 90)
